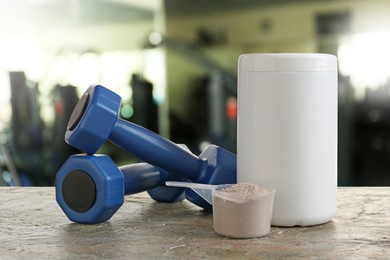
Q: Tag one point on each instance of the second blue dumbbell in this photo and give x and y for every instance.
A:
(91, 188)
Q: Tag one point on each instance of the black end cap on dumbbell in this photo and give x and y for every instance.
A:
(79, 191)
(78, 112)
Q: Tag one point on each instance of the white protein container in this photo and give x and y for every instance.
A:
(287, 133)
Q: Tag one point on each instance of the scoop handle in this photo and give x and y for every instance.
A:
(203, 190)
(191, 185)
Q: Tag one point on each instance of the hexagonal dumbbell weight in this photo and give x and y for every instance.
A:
(95, 120)
(90, 188)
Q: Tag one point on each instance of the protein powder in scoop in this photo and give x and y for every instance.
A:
(243, 210)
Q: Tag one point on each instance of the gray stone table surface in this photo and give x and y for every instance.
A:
(32, 226)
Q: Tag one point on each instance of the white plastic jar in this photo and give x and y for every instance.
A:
(287, 133)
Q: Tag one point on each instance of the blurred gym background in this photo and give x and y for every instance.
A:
(174, 64)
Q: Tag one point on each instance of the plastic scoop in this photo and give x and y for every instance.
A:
(203, 190)
(242, 212)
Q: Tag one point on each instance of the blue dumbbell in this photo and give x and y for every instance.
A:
(90, 188)
(95, 120)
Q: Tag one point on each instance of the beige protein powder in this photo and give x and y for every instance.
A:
(243, 210)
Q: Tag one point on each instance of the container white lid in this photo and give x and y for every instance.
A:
(287, 62)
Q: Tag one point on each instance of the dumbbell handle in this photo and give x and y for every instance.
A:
(141, 177)
(156, 150)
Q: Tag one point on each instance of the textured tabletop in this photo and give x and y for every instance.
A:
(32, 226)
